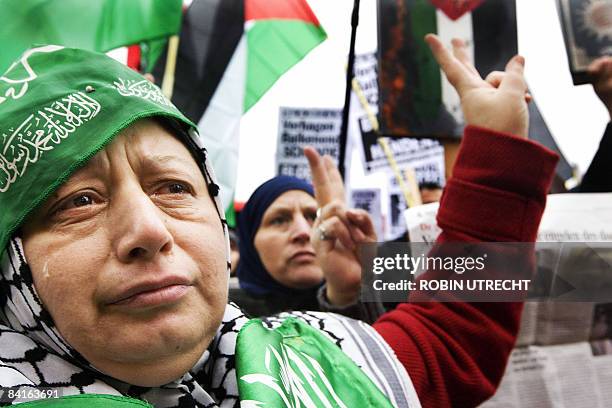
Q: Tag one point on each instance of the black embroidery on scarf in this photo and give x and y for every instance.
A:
(5, 290)
(308, 318)
(81, 380)
(221, 365)
(136, 392)
(19, 267)
(186, 401)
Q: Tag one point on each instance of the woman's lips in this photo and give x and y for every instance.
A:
(156, 297)
(303, 256)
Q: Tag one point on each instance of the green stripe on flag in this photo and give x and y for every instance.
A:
(274, 46)
(428, 92)
(230, 215)
(100, 25)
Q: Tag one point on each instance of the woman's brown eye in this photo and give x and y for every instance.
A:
(280, 220)
(82, 200)
(177, 188)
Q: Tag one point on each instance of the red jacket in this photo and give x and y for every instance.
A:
(456, 353)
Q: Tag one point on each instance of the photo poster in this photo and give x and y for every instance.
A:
(587, 31)
(429, 168)
(416, 99)
(300, 127)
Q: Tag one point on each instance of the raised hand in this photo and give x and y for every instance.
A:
(498, 103)
(600, 72)
(337, 231)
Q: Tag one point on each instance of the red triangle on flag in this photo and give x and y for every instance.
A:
(456, 8)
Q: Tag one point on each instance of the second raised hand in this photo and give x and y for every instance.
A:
(500, 106)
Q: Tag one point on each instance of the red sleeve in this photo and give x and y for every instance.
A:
(456, 353)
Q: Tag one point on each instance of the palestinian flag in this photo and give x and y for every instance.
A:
(417, 100)
(100, 25)
(231, 52)
(456, 8)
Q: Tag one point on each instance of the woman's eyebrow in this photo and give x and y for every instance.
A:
(163, 162)
(280, 209)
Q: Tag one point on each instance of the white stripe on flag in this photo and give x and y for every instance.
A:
(447, 30)
(119, 54)
(219, 127)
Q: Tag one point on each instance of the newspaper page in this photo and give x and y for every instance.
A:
(563, 357)
(562, 376)
(571, 342)
(567, 218)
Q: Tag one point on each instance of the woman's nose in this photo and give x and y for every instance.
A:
(300, 229)
(141, 231)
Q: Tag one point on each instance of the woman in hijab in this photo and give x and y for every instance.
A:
(115, 257)
(290, 278)
(279, 270)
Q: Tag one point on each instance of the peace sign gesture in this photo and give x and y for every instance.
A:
(498, 102)
(337, 231)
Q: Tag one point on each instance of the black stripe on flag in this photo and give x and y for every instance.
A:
(210, 33)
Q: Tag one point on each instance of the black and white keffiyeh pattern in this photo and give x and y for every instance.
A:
(34, 354)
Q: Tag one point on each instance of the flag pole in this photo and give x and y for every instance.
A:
(168, 81)
(347, 94)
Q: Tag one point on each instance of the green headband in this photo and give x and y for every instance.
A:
(58, 108)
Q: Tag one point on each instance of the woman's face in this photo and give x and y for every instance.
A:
(129, 258)
(283, 240)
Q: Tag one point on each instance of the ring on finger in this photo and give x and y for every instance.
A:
(323, 233)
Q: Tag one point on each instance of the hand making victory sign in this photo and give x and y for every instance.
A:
(337, 231)
(498, 102)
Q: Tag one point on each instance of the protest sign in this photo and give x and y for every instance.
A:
(300, 127)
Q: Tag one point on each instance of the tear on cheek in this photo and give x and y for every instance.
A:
(45, 270)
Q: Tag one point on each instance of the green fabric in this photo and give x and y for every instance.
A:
(296, 365)
(428, 93)
(150, 53)
(60, 107)
(99, 25)
(274, 46)
(88, 401)
(230, 215)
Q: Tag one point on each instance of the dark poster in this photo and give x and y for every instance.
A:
(414, 100)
